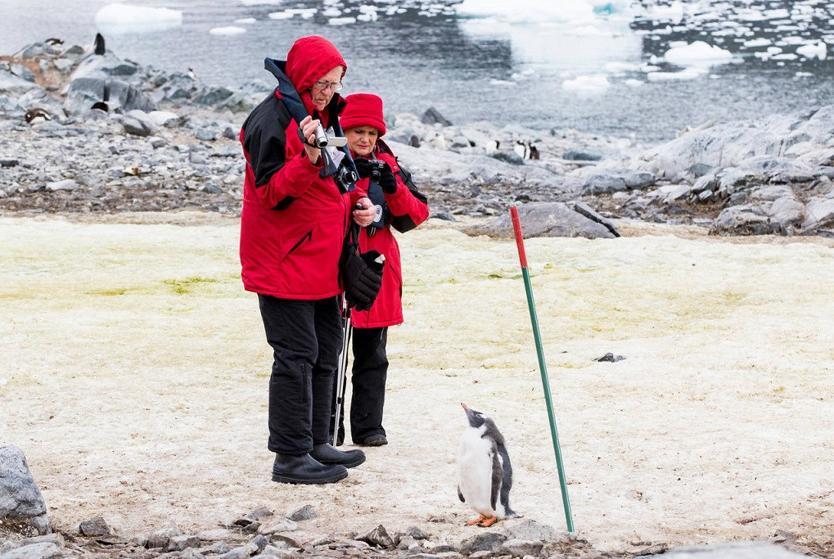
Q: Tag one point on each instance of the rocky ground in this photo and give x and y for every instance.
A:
(159, 141)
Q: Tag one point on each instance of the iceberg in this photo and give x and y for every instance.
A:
(698, 53)
(814, 50)
(125, 18)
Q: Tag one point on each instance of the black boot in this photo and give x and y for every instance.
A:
(327, 454)
(305, 469)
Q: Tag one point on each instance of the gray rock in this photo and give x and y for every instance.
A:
(22, 72)
(528, 529)
(8, 163)
(41, 550)
(32, 51)
(278, 525)
(587, 211)
(160, 538)
(94, 527)
(63, 64)
(20, 499)
(206, 134)
(378, 537)
(581, 155)
(731, 551)
(216, 535)
(137, 127)
(485, 541)
(639, 180)
(819, 212)
(433, 116)
(66, 184)
(604, 184)
(510, 157)
(12, 84)
(520, 548)
(82, 93)
(546, 219)
(213, 96)
(610, 358)
(307, 512)
(178, 543)
(787, 214)
(698, 170)
(746, 219)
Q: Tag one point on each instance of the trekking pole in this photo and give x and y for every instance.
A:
(341, 373)
(531, 304)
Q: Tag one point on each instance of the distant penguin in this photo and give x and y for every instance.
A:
(521, 149)
(36, 115)
(103, 105)
(99, 45)
(485, 471)
(534, 152)
(54, 41)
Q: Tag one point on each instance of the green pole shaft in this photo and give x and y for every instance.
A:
(531, 305)
(554, 433)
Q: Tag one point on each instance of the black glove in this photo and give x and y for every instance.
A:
(362, 277)
(364, 167)
(387, 180)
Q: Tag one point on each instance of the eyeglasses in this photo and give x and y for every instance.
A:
(323, 85)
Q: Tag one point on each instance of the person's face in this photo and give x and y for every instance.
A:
(325, 87)
(362, 139)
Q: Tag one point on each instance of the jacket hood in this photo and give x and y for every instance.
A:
(309, 59)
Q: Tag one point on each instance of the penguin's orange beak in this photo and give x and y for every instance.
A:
(464, 406)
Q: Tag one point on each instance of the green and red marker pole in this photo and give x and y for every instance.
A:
(531, 304)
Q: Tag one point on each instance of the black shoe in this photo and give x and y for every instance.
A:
(305, 469)
(373, 440)
(327, 454)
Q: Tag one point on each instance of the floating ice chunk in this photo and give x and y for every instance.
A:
(698, 53)
(245, 20)
(332, 11)
(493, 81)
(230, 30)
(367, 13)
(587, 85)
(633, 83)
(762, 42)
(124, 18)
(261, 2)
(673, 12)
(288, 14)
(341, 20)
(688, 74)
(803, 74)
(818, 50)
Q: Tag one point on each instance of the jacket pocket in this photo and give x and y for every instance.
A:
(308, 236)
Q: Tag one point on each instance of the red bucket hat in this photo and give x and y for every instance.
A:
(363, 109)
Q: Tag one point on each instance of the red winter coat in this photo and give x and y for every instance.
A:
(407, 210)
(293, 222)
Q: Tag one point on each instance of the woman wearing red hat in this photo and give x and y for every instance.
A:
(399, 205)
(293, 224)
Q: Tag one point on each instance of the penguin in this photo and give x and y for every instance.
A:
(485, 471)
(36, 115)
(521, 149)
(54, 41)
(534, 152)
(99, 45)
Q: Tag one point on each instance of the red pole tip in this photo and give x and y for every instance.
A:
(519, 237)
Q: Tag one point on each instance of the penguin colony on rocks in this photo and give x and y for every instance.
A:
(485, 471)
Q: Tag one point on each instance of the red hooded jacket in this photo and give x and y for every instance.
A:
(293, 222)
(407, 210)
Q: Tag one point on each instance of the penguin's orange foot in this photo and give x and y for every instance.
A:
(475, 521)
(487, 521)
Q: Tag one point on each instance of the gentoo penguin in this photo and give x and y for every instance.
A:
(36, 115)
(521, 149)
(98, 45)
(486, 475)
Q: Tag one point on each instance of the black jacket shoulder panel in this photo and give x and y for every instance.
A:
(264, 138)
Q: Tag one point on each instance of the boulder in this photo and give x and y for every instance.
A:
(751, 550)
(819, 213)
(549, 219)
(21, 502)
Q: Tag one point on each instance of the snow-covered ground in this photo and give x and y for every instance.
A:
(135, 372)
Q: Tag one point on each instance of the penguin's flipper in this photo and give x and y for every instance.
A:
(497, 476)
(460, 495)
(506, 479)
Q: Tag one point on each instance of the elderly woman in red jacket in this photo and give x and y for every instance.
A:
(398, 206)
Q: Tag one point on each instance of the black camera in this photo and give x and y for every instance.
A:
(345, 177)
(376, 167)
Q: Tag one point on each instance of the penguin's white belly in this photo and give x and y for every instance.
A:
(475, 473)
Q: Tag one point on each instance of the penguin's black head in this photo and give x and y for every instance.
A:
(476, 418)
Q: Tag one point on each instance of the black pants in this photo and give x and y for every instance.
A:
(306, 337)
(370, 370)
